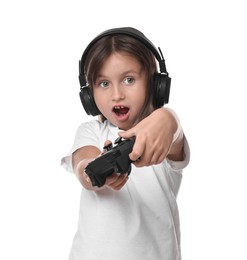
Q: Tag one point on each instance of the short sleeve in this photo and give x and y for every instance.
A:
(180, 165)
(86, 134)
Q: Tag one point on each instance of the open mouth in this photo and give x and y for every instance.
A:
(120, 110)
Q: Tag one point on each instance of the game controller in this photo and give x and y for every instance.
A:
(114, 160)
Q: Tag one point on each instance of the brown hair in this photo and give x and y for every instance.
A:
(107, 45)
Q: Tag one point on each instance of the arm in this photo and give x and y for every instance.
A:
(80, 159)
(157, 136)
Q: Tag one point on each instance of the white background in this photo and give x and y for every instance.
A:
(204, 44)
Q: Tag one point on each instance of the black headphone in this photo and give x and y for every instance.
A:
(162, 81)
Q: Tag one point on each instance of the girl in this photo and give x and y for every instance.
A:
(131, 217)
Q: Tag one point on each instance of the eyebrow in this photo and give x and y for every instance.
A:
(122, 74)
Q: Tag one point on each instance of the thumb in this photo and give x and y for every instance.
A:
(107, 142)
(127, 134)
(107, 146)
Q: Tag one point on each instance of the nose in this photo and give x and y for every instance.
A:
(117, 93)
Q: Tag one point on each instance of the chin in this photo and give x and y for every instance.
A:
(124, 127)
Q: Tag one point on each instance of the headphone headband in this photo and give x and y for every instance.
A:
(123, 31)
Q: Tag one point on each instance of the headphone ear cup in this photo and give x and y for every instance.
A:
(88, 102)
(161, 94)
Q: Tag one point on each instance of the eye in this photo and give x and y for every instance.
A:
(103, 84)
(129, 80)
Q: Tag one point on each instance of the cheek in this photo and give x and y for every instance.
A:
(97, 96)
(100, 101)
(141, 96)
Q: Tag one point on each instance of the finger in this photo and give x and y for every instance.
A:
(120, 184)
(111, 179)
(157, 155)
(127, 134)
(152, 158)
(107, 146)
(149, 157)
(116, 180)
(162, 158)
(144, 161)
(138, 150)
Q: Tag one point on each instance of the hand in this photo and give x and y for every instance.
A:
(80, 162)
(154, 137)
(115, 181)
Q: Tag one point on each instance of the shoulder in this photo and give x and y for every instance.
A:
(95, 125)
(92, 124)
(97, 130)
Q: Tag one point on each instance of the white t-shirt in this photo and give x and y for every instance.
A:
(139, 222)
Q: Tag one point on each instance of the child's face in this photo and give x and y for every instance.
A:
(120, 90)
